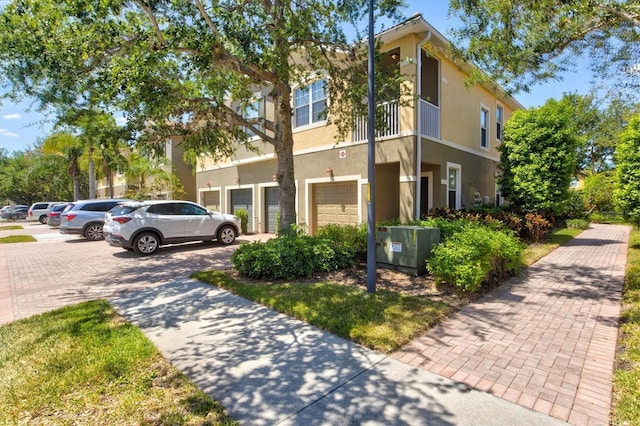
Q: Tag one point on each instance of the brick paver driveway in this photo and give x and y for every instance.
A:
(60, 270)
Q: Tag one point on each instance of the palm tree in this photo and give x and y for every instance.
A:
(70, 148)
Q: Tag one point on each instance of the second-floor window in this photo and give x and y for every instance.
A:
(311, 103)
(499, 121)
(484, 128)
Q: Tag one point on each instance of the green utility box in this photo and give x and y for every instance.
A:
(405, 248)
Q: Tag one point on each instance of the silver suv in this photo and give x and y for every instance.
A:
(86, 218)
(145, 226)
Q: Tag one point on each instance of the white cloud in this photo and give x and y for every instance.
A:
(633, 69)
(120, 121)
(5, 132)
(15, 116)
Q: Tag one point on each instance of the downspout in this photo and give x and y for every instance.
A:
(419, 126)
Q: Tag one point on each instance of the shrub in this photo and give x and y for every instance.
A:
(476, 254)
(289, 257)
(536, 227)
(577, 223)
(351, 237)
(244, 220)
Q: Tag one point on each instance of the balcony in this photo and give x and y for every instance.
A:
(389, 112)
(429, 119)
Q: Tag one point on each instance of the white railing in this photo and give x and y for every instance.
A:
(389, 113)
(429, 119)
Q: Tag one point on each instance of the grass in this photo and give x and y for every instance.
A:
(85, 365)
(17, 239)
(626, 382)
(383, 321)
(10, 227)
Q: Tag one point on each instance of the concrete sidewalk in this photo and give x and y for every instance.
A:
(267, 369)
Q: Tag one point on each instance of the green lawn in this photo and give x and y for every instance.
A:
(85, 365)
(10, 227)
(17, 239)
(626, 384)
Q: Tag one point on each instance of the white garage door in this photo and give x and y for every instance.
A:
(335, 203)
(211, 200)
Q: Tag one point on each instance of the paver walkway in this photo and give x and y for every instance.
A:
(547, 339)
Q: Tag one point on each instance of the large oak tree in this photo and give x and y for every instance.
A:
(173, 66)
(519, 42)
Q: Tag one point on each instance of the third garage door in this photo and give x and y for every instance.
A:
(335, 203)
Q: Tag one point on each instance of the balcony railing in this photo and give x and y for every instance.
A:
(389, 112)
(429, 119)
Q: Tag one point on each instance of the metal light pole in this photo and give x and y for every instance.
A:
(371, 134)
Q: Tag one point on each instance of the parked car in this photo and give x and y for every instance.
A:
(53, 217)
(86, 218)
(4, 212)
(39, 211)
(15, 212)
(147, 225)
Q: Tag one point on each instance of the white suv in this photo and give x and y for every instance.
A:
(146, 225)
(39, 211)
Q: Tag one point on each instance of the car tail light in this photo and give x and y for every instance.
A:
(70, 217)
(121, 220)
(30, 213)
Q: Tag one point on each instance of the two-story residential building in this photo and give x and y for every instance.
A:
(440, 150)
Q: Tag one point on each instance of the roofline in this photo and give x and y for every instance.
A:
(418, 25)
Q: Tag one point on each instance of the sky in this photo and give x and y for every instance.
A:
(21, 126)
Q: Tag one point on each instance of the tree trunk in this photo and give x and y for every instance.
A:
(285, 175)
(286, 180)
(76, 188)
(92, 177)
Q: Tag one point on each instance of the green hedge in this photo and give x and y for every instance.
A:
(289, 257)
(474, 254)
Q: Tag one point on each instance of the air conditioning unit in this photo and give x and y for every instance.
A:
(405, 248)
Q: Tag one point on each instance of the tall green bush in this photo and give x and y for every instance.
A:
(538, 156)
(243, 215)
(627, 195)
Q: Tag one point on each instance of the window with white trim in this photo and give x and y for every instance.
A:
(311, 103)
(499, 121)
(484, 128)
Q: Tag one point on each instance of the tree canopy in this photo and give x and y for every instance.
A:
(627, 193)
(175, 67)
(519, 42)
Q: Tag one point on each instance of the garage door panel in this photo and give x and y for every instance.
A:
(211, 200)
(243, 199)
(335, 203)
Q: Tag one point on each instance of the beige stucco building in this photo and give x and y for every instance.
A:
(439, 151)
(173, 163)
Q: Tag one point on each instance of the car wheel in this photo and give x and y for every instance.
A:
(15, 217)
(43, 219)
(94, 232)
(146, 243)
(226, 234)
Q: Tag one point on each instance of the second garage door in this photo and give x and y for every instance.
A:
(335, 203)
